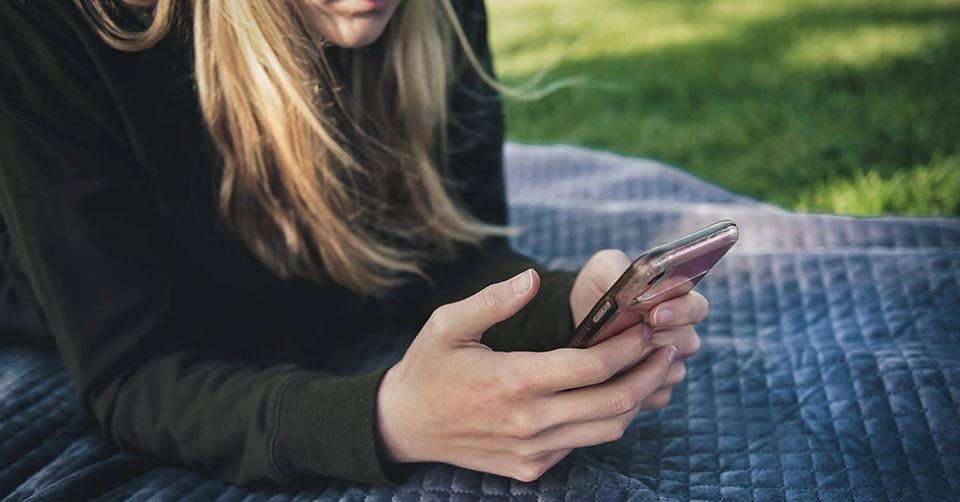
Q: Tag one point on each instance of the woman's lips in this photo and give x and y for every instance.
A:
(363, 6)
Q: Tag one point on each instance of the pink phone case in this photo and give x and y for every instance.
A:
(662, 273)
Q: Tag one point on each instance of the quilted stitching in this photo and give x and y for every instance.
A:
(830, 367)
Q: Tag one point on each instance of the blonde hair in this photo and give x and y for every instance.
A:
(318, 177)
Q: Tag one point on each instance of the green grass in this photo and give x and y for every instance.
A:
(848, 106)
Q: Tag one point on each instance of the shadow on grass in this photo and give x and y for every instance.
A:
(761, 112)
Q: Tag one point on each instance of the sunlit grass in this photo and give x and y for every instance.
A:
(932, 189)
(865, 46)
(778, 100)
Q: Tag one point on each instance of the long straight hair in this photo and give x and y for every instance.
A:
(321, 180)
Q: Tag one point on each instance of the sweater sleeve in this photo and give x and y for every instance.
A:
(90, 240)
(476, 135)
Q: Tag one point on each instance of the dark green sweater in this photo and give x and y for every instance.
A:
(112, 249)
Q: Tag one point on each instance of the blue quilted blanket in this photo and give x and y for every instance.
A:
(830, 367)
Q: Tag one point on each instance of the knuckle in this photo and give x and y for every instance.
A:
(621, 402)
(687, 341)
(676, 375)
(594, 368)
(523, 426)
(704, 307)
(695, 344)
(488, 299)
(614, 431)
(659, 400)
(515, 383)
(681, 372)
(531, 470)
(440, 318)
(640, 345)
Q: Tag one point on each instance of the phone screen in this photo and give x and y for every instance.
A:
(679, 279)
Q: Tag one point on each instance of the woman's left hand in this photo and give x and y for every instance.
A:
(671, 322)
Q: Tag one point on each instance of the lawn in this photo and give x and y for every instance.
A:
(848, 106)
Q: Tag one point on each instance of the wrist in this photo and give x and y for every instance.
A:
(391, 434)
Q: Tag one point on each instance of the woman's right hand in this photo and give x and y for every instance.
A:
(452, 399)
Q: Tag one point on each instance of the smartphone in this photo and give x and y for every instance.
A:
(662, 273)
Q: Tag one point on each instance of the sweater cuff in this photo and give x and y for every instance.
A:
(327, 426)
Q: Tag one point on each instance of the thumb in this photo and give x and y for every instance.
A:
(467, 319)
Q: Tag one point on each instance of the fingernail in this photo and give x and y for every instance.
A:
(522, 283)
(646, 331)
(671, 353)
(663, 316)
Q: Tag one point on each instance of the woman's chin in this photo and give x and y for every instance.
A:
(355, 34)
(353, 29)
(354, 40)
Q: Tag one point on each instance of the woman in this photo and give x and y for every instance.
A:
(189, 185)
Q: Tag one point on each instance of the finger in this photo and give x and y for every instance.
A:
(662, 396)
(565, 369)
(676, 374)
(684, 338)
(614, 398)
(467, 319)
(691, 308)
(597, 275)
(607, 266)
(658, 399)
(586, 422)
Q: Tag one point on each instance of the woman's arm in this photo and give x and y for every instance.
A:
(118, 299)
